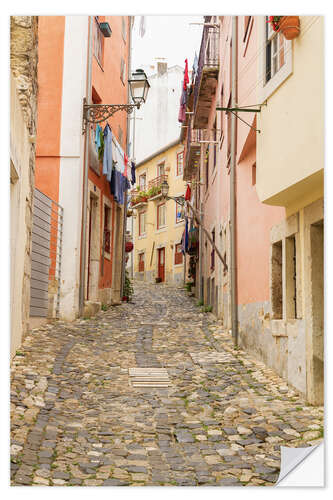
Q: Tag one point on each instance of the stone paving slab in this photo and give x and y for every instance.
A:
(76, 420)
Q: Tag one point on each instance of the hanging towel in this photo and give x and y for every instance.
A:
(107, 157)
(98, 143)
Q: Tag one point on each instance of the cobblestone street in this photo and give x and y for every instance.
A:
(78, 417)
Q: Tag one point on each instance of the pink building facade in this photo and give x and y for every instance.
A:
(207, 169)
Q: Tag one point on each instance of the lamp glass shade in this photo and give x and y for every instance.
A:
(139, 86)
(164, 188)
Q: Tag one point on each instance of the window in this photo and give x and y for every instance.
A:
(214, 145)
(107, 229)
(180, 163)
(212, 255)
(98, 42)
(142, 182)
(160, 169)
(141, 262)
(246, 26)
(276, 288)
(179, 213)
(178, 254)
(122, 70)
(275, 52)
(161, 216)
(142, 223)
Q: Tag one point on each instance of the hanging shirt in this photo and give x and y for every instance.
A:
(186, 78)
(133, 180)
(188, 193)
(107, 157)
(125, 163)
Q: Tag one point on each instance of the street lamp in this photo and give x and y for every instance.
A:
(164, 191)
(139, 87)
(96, 113)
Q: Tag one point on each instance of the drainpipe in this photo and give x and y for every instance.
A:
(123, 267)
(233, 201)
(201, 224)
(132, 218)
(85, 173)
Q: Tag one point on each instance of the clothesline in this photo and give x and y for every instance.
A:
(115, 163)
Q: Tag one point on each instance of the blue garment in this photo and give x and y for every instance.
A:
(186, 234)
(133, 180)
(107, 158)
(98, 137)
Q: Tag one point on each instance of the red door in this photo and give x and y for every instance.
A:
(161, 263)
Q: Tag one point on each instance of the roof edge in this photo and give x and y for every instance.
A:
(160, 151)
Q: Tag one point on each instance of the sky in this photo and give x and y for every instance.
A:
(168, 37)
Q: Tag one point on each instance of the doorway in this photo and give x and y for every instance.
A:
(161, 263)
(317, 279)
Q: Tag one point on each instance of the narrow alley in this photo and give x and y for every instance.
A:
(205, 414)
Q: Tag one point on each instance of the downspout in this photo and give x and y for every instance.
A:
(85, 173)
(127, 152)
(132, 218)
(201, 239)
(233, 201)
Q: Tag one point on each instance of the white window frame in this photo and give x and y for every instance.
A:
(142, 234)
(266, 89)
(179, 153)
(158, 211)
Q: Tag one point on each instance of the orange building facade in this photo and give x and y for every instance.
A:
(62, 80)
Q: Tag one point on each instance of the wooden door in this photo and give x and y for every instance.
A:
(89, 244)
(161, 263)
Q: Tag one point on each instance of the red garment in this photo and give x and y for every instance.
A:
(186, 78)
(125, 162)
(188, 193)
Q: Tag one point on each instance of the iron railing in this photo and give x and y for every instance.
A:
(157, 181)
(208, 57)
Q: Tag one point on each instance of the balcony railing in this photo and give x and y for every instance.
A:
(208, 58)
(157, 181)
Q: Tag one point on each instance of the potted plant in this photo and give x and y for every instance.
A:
(153, 191)
(289, 26)
(128, 288)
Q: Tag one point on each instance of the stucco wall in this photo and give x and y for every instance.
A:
(171, 234)
(157, 120)
(23, 120)
(290, 148)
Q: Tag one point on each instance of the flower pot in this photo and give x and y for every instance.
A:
(128, 246)
(125, 299)
(289, 27)
(158, 280)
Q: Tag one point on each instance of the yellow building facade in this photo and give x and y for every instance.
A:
(159, 223)
(290, 173)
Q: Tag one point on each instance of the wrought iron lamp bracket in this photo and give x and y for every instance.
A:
(178, 199)
(96, 113)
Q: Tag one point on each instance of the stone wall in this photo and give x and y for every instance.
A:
(23, 65)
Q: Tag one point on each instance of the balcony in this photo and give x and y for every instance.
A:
(192, 157)
(207, 75)
(154, 187)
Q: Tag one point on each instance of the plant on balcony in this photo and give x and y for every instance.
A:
(141, 197)
(287, 25)
(153, 191)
